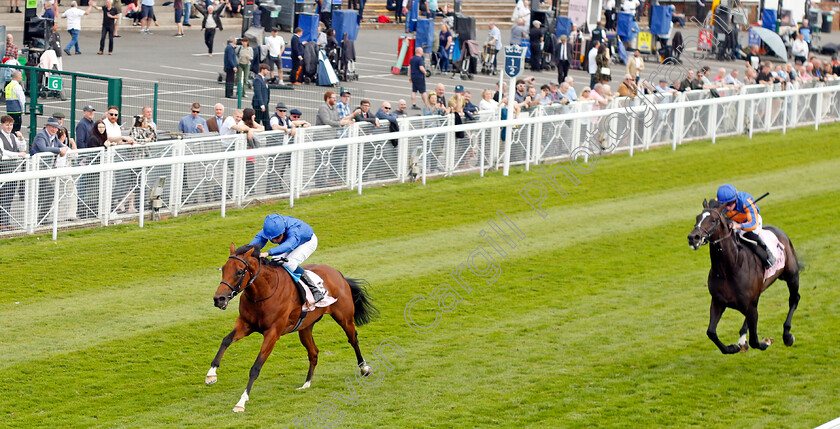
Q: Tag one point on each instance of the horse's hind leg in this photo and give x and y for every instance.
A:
(240, 330)
(793, 302)
(312, 350)
(353, 338)
(742, 339)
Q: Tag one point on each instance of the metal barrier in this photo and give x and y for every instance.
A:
(106, 186)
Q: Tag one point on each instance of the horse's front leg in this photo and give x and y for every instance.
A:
(269, 339)
(240, 330)
(752, 323)
(715, 312)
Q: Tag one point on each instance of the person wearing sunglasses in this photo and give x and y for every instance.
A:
(113, 129)
(192, 123)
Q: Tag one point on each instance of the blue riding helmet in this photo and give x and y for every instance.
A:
(726, 194)
(273, 226)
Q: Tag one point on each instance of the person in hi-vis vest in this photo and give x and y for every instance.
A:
(15, 99)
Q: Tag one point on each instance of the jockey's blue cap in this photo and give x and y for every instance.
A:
(274, 225)
(726, 194)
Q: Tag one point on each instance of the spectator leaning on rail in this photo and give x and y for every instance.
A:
(214, 125)
(192, 123)
(328, 113)
(746, 220)
(113, 129)
(296, 116)
(46, 141)
(296, 241)
(362, 114)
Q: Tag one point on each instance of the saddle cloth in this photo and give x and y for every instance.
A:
(319, 282)
(778, 250)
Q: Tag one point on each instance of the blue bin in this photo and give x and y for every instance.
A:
(660, 21)
(768, 19)
(624, 29)
(425, 37)
(309, 24)
(345, 21)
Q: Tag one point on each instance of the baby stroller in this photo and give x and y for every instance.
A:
(488, 59)
(347, 60)
(468, 63)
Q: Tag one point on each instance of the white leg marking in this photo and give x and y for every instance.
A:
(305, 386)
(742, 340)
(240, 406)
(211, 376)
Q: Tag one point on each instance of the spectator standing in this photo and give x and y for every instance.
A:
(15, 6)
(343, 105)
(518, 32)
(328, 113)
(592, 64)
(74, 25)
(192, 123)
(564, 54)
(445, 47)
(494, 37)
(417, 77)
(609, 14)
(46, 141)
(12, 50)
(276, 44)
(799, 49)
(214, 125)
(49, 11)
(212, 21)
(147, 113)
(536, 36)
(178, 5)
(297, 57)
(147, 13)
(385, 113)
(244, 55)
(603, 72)
(363, 114)
(13, 150)
(84, 126)
(187, 12)
(231, 67)
(636, 65)
(522, 10)
(109, 18)
(54, 43)
(15, 99)
(261, 95)
(113, 129)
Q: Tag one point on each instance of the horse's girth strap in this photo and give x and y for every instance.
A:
(303, 314)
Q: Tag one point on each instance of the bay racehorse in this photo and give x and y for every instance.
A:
(736, 279)
(271, 305)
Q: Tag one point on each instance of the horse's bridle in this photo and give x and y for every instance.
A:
(239, 289)
(708, 234)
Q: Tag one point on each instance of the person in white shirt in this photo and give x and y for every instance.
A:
(799, 49)
(732, 79)
(74, 25)
(592, 64)
(276, 44)
(113, 129)
(234, 124)
(522, 10)
(147, 113)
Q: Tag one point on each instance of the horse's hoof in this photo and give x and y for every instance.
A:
(744, 347)
(789, 339)
(305, 386)
(767, 341)
(238, 409)
(365, 370)
(210, 379)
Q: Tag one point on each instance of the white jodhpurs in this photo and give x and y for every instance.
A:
(299, 254)
(758, 225)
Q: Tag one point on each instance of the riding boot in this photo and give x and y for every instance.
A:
(770, 259)
(317, 295)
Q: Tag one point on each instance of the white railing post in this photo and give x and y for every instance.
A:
(106, 187)
(425, 159)
(818, 111)
(239, 171)
(751, 118)
(713, 121)
(177, 177)
(495, 139)
(536, 140)
(223, 202)
(55, 203)
(142, 211)
(352, 150)
(785, 113)
(402, 151)
(449, 147)
(360, 167)
(30, 197)
(632, 133)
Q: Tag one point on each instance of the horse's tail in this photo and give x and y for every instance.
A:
(365, 311)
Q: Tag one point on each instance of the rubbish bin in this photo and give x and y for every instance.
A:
(827, 20)
(269, 16)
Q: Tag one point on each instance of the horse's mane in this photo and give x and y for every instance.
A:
(244, 249)
(713, 204)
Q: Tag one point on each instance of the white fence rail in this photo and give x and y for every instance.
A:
(108, 186)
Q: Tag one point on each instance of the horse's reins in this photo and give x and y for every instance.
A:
(718, 220)
(239, 289)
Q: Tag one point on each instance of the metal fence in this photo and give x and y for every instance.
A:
(104, 186)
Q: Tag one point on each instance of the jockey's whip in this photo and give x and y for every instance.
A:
(761, 197)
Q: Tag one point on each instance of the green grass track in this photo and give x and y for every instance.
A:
(597, 317)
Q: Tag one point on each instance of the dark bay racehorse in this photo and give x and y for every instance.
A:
(271, 306)
(736, 279)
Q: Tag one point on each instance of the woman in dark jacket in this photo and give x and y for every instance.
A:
(98, 137)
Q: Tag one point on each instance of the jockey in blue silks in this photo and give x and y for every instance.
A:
(295, 241)
(746, 219)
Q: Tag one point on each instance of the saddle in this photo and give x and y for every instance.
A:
(776, 247)
(305, 294)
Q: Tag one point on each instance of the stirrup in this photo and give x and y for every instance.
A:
(317, 295)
